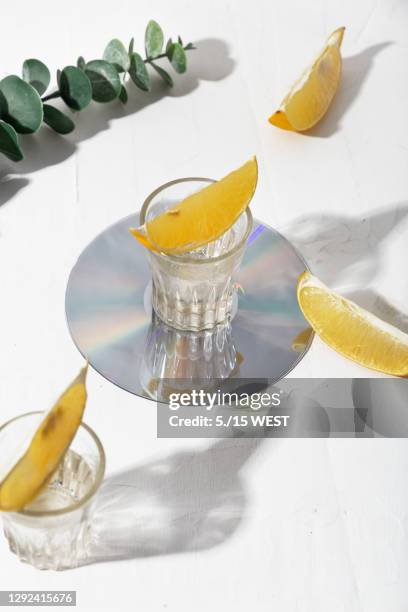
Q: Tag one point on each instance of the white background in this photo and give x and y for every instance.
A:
(296, 525)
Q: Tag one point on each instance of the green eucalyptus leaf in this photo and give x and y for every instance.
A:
(116, 54)
(104, 79)
(179, 40)
(123, 96)
(131, 45)
(81, 62)
(138, 72)
(20, 105)
(9, 144)
(75, 87)
(37, 74)
(164, 75)
(154, 39)
(189, 47)
(169, 45)
(178, 58)
(57, 120)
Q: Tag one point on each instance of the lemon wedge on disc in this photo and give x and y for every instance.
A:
(351, 330)
(46, 450)
(203, 216)
(311, 95)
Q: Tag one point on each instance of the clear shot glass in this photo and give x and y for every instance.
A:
(195, 291)
(53, 532)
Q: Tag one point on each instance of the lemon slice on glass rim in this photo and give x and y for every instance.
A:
(47, 448)
(203, 216)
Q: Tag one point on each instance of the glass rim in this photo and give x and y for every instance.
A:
(192, 260)
(100, 473)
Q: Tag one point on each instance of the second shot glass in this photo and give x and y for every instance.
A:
(54, 531)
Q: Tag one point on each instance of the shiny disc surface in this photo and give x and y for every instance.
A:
(110, 320)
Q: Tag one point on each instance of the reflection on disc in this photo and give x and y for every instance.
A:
(109, 323)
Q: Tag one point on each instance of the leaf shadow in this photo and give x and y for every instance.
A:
(356, 69)
(211, 61)
(10, 186)
(339, 248)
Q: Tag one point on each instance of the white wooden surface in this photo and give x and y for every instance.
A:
(296, 525)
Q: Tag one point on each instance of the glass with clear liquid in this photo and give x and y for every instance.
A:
(53, 531)
(195, 291)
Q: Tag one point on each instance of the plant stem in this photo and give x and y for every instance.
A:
(149, 60)
(55, 94)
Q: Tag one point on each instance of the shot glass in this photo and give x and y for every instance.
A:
(194, 291)
(53, 532)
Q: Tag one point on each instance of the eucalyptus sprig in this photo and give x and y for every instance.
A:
(23, 110)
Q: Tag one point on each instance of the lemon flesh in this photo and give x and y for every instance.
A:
(351, 330)
(203, 216)
(311, 95)
(46, 450)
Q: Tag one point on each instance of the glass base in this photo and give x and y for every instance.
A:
(53, 542)
(65, 550)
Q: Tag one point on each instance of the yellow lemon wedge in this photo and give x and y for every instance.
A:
(203, 216)
(311, 95)
(302, 340)
(351, 330)
(46, 450)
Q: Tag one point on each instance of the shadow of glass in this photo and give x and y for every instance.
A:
(355, 71)
(380, 407)
(186, 502)
(209, 62)
(339, 248)
(309, 419)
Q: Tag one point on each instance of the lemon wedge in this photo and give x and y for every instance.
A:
(203, 216)
(46, 450)
(310, 97)
(351, 330)
(302, 340)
